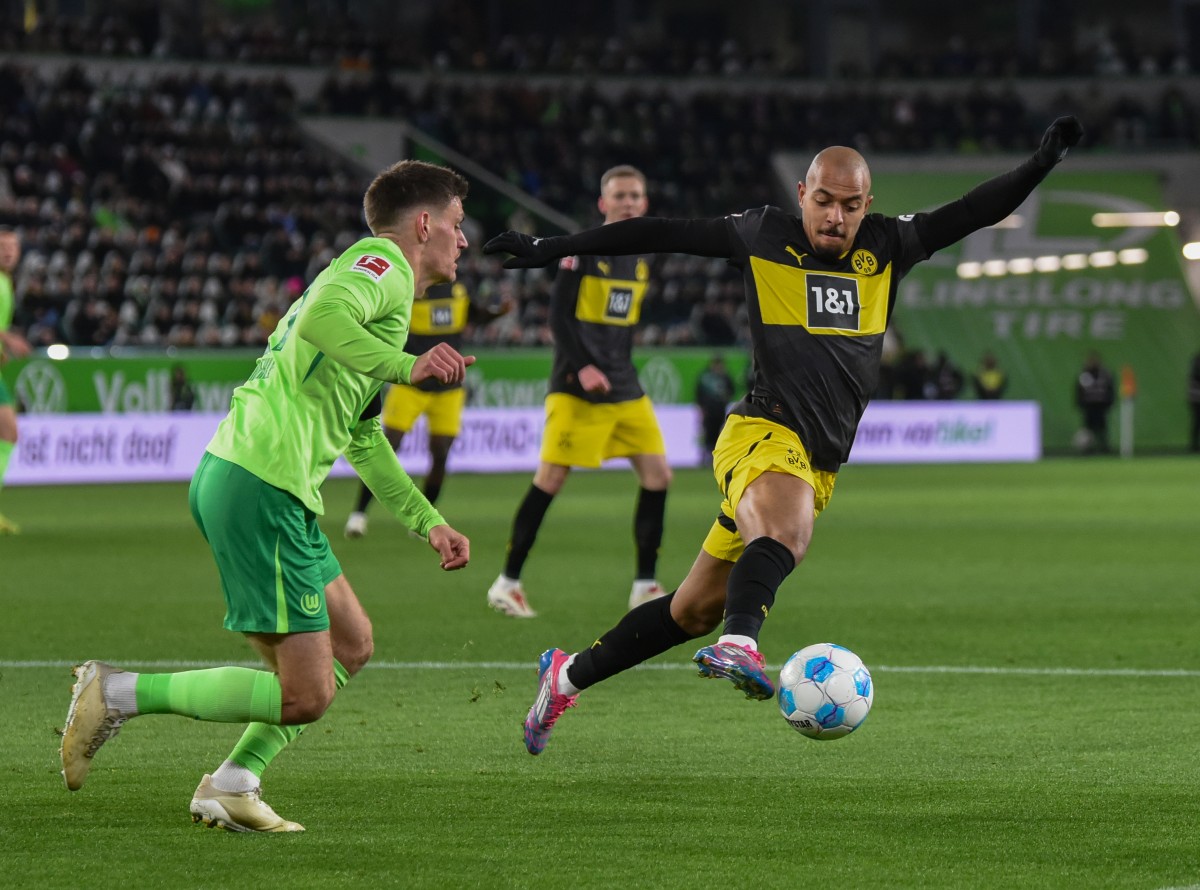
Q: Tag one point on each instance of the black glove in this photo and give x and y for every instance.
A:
(528, 251)
(1059, 137)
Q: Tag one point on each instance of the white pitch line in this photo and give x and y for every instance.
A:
(531, 666)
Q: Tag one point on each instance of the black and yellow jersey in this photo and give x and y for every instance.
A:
(441, 316)
(817, 326)
(595, 305)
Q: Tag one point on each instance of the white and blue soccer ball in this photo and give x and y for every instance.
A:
(825, 691)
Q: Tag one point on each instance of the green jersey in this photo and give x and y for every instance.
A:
(330, 353)
(6, 301)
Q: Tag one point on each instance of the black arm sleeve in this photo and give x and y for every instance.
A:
(651, 234)
(985, 205)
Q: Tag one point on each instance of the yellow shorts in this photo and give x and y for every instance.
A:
(747, 448)
(583, 434)
(404, 404)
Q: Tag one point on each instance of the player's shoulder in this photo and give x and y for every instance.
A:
(371, 259)
(756, 214)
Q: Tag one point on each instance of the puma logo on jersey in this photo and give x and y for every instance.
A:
(604, 267)
(799, 256)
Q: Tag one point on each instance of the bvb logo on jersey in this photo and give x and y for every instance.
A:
(864, 262)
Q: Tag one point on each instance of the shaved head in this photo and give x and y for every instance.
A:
(841, 162)
(834, 198)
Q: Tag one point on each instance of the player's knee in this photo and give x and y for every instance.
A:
(306, 708)
(798, 546)
(697, 619)
(355, 654)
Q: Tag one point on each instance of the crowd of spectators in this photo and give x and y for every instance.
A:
(464, 39)
(191, 210)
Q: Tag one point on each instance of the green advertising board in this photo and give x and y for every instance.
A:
(1129, 302)
(141, 382)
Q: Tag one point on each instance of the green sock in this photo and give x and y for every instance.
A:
(222, 695)
(262, 741)
(6, 450)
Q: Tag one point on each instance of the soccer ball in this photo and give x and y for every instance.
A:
(825, 691)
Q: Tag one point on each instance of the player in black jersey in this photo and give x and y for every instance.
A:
(820, 289)
(595, 407)
(441, 315)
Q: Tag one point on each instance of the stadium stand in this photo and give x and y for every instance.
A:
(185, 206)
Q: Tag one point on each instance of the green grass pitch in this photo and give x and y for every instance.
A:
(1032, 632)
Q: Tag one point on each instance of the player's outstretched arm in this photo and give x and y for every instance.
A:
(443, 363)
(452, 546)
(645, 234)
(993, 200)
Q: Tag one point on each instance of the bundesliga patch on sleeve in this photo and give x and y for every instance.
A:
(369, 264)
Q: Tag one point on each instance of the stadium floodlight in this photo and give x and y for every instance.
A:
(1021, 266)
(1133, 256)
(1047, 263)
(1167, 218)
(969, 270)
(1191, 250)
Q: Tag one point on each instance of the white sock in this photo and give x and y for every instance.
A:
(564, 683)
(739, 640)
(120, 692)
(234, 778)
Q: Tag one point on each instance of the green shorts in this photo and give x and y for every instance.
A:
(273, 558)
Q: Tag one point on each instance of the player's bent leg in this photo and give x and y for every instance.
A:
(351, 640)
(780, 507)
(351, 635)
(642, 633)
(304, 664)
(105, 697)
(700, 604)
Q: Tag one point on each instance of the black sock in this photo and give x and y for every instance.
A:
(525, 528)
(364, 498)
(648, 530)
(432, 490)
(644, 632)
(752, 584)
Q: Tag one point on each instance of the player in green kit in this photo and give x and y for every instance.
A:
(256, 499)
(11, 344)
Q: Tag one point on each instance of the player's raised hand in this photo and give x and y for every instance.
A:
(443, 363)
(528, 251)
(1059, 138)
(453, 547)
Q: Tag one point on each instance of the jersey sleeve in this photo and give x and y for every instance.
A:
(377, 465)
(334, 319)
(907, 244)
(743, 231)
